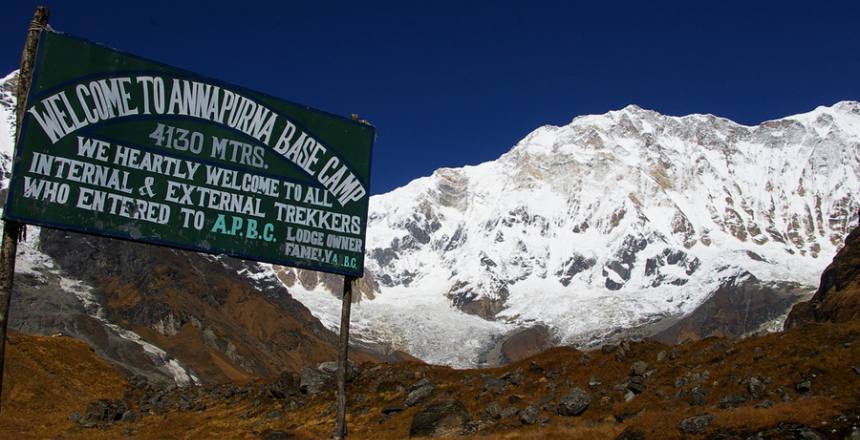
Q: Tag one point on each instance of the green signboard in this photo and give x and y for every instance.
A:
(113, 144)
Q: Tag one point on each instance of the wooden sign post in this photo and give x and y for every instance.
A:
(11, 228)
(343, 359)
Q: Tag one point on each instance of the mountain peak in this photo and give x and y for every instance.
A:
(847, 107)
(10, 76)
(632, 216)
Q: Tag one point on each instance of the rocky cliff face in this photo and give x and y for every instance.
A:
(741, 306)
(838, 296)
(613, 222)
(200, 309)
(166, 314)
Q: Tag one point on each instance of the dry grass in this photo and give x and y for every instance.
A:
(51, 377)
(46, 379)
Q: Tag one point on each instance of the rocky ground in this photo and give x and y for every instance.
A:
(803, 383)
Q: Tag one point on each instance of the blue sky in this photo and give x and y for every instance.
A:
(450, 84)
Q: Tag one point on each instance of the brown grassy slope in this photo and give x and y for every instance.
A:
(46, 379)
(821, 353)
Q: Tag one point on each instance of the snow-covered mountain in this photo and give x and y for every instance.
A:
(8, 86)
(611, 222)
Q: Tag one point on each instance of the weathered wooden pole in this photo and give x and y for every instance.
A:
(12, 229)
(343, 359)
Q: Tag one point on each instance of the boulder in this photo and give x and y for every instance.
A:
(494, 385)
(138, 382)
(755, 387)
(419, 394)
(622, 351)
(764, 404)
(529, 415)
(698, 396)
(509, 412)
(574, 402)
(103, 412)
(445, 418)
(313, 381)
(732, 401)
(809, 434)
(421, 383)
(493, 411)
(130, 416)
(285, 386)
(673, 353)
(330, 368)
(638, 368)
(695, 424)
(514, 378)
(636, 384)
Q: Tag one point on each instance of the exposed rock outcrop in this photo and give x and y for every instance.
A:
(742, 304)
(199, 308)
(838, 296)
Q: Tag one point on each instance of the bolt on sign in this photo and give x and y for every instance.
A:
(116, 145)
